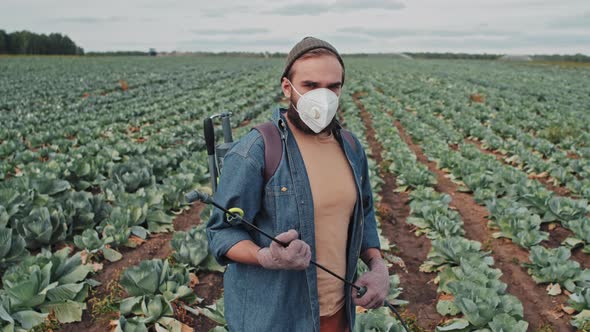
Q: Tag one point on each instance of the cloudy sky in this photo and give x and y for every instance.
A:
(478, 26)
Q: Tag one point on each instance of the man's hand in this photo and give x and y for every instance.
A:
(377, 283)
(295, 256)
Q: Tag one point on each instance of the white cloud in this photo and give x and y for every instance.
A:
(230, 32)
(529, 26)
(314, 9)
(88, 19)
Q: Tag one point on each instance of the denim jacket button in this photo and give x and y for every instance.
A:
(283, 189)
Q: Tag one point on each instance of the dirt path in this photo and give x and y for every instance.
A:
(559, 190)
(157, 246)
(558, 234)
(556, 237)
(209, 289)
(418, 287)
(540, 309)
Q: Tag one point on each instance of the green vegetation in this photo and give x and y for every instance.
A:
(26, 42)
(97, 152)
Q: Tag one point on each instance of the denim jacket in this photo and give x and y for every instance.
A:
(258, 299)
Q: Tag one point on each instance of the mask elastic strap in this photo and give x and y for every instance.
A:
(295, 107)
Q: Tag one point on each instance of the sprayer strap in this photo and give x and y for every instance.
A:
(273, 149)
(348, 137)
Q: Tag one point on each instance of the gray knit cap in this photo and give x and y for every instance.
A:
(305, 45)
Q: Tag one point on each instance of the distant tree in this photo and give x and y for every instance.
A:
(3, 42)
(18, 42)
(26, 42)
(117, 53)
(448, 55)
(558, 57)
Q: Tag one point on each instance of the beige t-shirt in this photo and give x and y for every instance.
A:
(334, 195)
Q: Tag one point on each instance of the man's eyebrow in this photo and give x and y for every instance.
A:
(308, 82)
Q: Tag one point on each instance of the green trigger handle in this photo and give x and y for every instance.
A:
(234, 211)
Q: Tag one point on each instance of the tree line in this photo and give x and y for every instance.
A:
(26, 42)
(578, 57)
(539, 57)
(117, 53)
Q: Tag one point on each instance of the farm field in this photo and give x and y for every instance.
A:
(480, 171)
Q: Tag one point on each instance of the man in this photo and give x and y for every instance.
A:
(319, 201)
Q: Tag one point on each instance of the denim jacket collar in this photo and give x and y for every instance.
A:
(283, 203)
(278, 118)
(356, 227)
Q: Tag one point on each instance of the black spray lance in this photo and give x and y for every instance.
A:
(237, 214)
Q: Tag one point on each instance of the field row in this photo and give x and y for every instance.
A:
(480, 172)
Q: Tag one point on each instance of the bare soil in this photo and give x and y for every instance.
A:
(560, 190)
(210, 288)
(156, 246)
(418, 287)
(540, 309)
(558, 234)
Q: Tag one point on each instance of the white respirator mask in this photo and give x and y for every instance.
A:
(317, 107)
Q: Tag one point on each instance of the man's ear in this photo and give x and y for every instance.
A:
(286, 87)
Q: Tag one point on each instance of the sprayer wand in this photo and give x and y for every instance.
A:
(195, 195)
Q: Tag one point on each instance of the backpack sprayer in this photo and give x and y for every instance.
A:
(216, 153)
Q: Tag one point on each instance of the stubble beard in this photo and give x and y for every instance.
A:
(299, 124)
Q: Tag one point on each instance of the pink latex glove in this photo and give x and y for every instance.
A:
(295, 256)
(377, 283)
